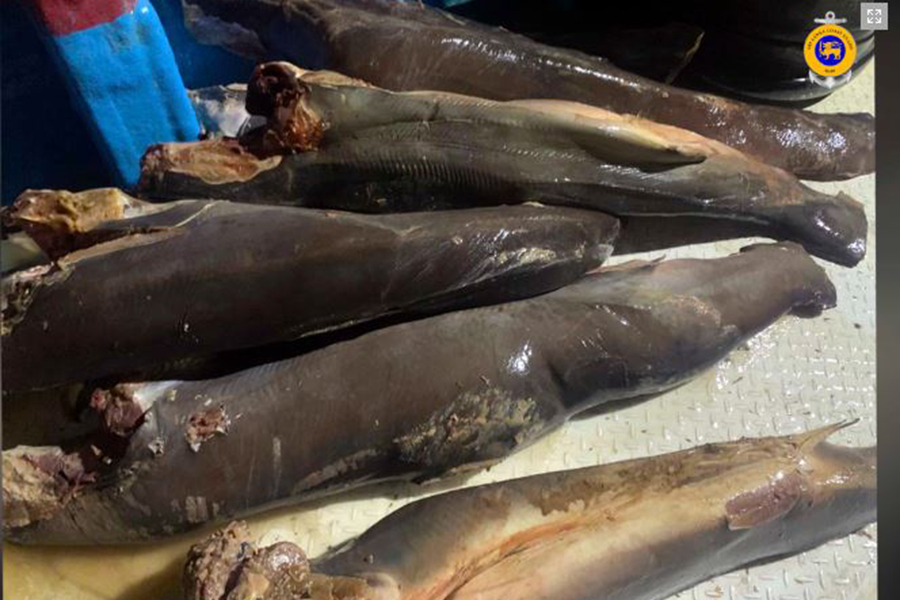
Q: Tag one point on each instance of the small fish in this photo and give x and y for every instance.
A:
(414, 401)
(642, 529)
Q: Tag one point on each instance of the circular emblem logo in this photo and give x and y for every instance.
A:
(830, 50)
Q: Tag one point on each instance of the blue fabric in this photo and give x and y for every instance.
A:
(125, 80)
(45, 143)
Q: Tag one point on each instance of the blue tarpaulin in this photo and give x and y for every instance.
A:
(124, 77)
(84, 95)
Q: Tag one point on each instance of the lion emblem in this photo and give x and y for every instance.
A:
(830, 50)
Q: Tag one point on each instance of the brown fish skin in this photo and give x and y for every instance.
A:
(173, 289)
(341, 143)
(642, 529)
(417, 400)
(458, 164)
(658, 52)
(638, 530)
(403, 46)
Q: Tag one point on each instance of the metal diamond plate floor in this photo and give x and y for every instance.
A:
(798, 375)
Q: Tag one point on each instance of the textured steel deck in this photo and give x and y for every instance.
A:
(798, 375)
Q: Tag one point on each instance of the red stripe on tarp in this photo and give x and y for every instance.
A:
(68, 16)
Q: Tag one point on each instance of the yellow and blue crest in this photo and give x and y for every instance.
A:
(830, 52)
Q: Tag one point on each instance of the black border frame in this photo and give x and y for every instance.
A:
(888, 306)
(887, 100)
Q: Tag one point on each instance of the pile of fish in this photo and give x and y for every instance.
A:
(331, 142)
(282, 273)
(415, 400)
(346, 284)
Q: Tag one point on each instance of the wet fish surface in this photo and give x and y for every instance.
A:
(339, 143)
(194, 278)
(405, 46)
(642, 529)
(415, 401)
(657, 52)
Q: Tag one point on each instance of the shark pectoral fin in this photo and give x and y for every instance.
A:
(610, 137)
(636, 147)
(765, 504)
